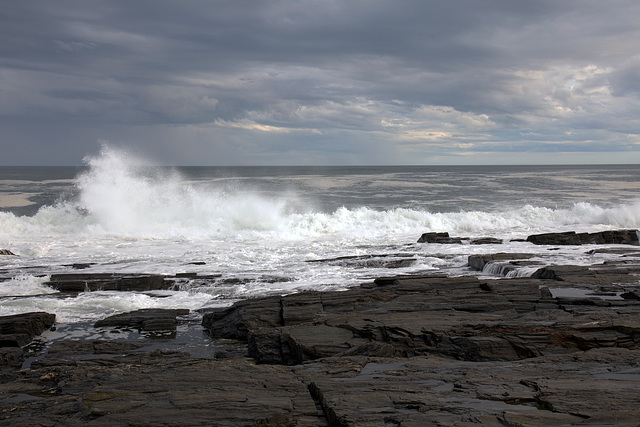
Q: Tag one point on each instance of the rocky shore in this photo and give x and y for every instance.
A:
(558, 347)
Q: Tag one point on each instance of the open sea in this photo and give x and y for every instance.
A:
(265, 230)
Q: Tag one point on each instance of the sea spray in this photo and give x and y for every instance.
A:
(126, 196)
(257, 233)
(123, 195)
(139, 208)
(25, 284)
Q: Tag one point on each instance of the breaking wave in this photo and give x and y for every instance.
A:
(121, 195)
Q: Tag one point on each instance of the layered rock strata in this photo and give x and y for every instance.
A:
(559, 348)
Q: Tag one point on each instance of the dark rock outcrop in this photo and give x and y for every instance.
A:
(444, 238)
(11, 356)
(16, 331)
(236, 322)
(618, 237)
(79, 282)
(424, 316)
(6, 252)
(561, 349)
(438, 350)
(121, 385)
(19, 329)
(609, 237)
(434, 237)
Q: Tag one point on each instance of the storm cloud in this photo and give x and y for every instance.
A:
(321, 82)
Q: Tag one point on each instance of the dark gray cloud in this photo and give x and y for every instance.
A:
(321, 82)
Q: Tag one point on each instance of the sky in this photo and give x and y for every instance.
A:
(303, 82)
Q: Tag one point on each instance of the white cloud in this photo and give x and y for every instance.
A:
(253, 126)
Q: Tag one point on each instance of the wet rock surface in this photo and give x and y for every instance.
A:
(152, 319)
(157, 388)
(463, 318)
(79, 282)
(620, 237)
(419, 391)
(457, 351)
(444, 238)
(379, 261)
(609, 237)
(18, 330)
(559, 348)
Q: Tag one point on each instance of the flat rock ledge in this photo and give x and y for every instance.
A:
(457, 351)
(81, 282)
(444, 238)
(616, 237)
(608, 237)
(559, 349)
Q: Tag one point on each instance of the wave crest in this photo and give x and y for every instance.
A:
(121, 195)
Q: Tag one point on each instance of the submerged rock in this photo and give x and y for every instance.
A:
(370, 261)
(478, 262)
(150, 319)
(486, 241)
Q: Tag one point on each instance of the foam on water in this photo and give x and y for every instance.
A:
(89, 306)
(25, 284)
(128, 216)
(121, 195)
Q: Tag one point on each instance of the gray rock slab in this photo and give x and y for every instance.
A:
(621, 237)
(558, 349)
(462, 318)
(19, 329)
(157, 388)
(81, 282)
(598, 387)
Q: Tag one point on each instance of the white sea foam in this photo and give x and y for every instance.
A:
(140, 209)
(121, 195)
(25, 284)
(130, 217)
(90, 306)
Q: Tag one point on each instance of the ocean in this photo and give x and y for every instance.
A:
(255, 231)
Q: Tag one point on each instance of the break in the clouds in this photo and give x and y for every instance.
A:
(321, 82)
